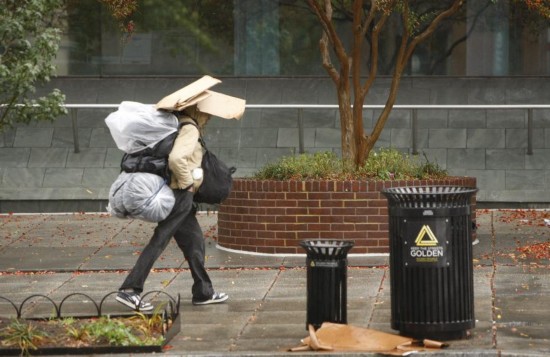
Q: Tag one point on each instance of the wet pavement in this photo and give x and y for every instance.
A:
(60, 254)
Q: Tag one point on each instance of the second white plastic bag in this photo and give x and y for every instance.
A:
(142, 196)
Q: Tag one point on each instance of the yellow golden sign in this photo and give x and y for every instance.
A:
(426, 238)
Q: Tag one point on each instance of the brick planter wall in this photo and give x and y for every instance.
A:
(274, 216)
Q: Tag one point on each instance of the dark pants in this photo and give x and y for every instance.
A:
(181, 224)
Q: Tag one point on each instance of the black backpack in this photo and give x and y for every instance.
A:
(152, 160)
(217, 180)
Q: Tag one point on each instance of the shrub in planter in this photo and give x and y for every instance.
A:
(319, 196)
(385, 164)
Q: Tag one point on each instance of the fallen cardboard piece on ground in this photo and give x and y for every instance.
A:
(340, 337)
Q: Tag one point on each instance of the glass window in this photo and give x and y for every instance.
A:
(280, 38)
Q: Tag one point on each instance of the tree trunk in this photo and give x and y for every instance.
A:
(349, 151)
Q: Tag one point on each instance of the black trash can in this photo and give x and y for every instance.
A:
(326, 281)
(431, 268)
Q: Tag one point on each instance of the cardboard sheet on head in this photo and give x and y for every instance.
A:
(207, 101)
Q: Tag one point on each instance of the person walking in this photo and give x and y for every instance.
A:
(193, 105)
(186, 177)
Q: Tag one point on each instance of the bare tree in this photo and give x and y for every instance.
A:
(370, 19)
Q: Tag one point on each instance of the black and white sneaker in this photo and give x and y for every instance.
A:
(216, 299)
(133, 301)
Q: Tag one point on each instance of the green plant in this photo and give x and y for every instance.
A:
(72, 329)
(29, 40)
(150, 324)
(383, 164)
(25, 335)
(305, 166)
(114, 332)
(390, 164)
(137, 330)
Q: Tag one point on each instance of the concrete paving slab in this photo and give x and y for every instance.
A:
(289, 304)
(506, 250)
(294, 315)
(43, 258)
(480, 338)
(216, 257)
(270, 331)
(373, 261)
(94, 284)
(484, 221)
(524, 338)
(108, 258)
(197, 346)
(483, 250)
(186, 345)
(238, 284)
(247, 284)
(365, 307)
(483, 312)
(526, 280)
(7, 311)
(70, 230)
(267, 346)
(125, 257)
(212, 330)
(294, 261)
(291, 292)
(521, 310)
(13, 283)
(482, 282)
(365, 282)
(195, 315)
(133, 232)
(15, 227)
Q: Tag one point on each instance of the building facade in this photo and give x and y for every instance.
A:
(266, 52)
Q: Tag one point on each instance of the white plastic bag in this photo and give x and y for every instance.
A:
(142, 196)
(135, 126)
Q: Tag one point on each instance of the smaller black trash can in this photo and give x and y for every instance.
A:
(431, 268)
(326, 281)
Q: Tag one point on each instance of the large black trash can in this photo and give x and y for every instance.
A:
(431, 268)
(326, 281)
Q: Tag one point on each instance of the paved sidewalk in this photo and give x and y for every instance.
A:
(61, 254)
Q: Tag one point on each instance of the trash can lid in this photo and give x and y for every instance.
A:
(429, 196)
(327, 249)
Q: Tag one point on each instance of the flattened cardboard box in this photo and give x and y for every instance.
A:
(207, 101)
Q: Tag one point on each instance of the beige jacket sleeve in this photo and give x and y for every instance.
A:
(186, 155)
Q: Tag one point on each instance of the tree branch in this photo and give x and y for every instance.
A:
(357, 44)
(431, 27)
(374, 53)
(325, 56)
(325, 17)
